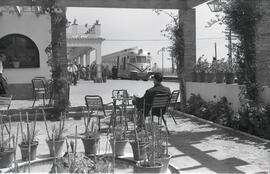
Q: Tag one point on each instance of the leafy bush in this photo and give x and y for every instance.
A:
(255, 120)
(250, 118)
(194, 104)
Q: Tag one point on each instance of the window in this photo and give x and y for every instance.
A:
(132, 59)
(20, 48)
(141, 59)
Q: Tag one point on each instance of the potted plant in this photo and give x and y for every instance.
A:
(118, 141)
(161, 147)
(150, 164)
(29, 143)
(138, 141)
(229, 73)
(15, 62)
(210, 74)
(56, 138)
(91, 135)
(219, 68)
(201, 67)
(6, 151)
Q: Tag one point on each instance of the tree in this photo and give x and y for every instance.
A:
(174, 32)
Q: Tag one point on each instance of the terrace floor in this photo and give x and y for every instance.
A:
(196, 146)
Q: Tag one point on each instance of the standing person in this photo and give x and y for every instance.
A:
(87, 72)
(3, 82)
(114, 72)
(149, 95)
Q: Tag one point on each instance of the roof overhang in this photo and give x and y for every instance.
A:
(149, 4)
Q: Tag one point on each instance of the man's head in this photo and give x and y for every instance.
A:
(157, 77)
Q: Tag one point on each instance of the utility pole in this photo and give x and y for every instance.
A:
(162, 55)
(215, 50)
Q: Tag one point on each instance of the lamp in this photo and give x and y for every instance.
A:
(215, 5)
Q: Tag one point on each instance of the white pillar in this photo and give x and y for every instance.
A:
(99, 62)
(88, 57)
(84, 59)
(81, 59)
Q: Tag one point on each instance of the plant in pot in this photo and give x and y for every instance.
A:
(202, 66)
(219, 68)
(161, 148)
(118, 140)
(56, 138)
(91, 135)
(150, 164)
(29, 143)
(15, 62)
(229, 72)
(138, 141)
(7, 153)
(210, 74)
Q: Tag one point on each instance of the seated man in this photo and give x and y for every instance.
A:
(149, 95)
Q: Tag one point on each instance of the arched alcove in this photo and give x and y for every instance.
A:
(19, 48)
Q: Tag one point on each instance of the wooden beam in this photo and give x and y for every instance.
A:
(21, 2)
(17, 10)
(194, 3)
(146, 4)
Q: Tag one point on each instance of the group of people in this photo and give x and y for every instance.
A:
(89, 72)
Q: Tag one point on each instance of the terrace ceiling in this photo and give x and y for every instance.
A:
(147, 4)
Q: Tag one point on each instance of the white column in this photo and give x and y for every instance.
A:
(88, 57)
(99, 61)
(84, 59)
(81, 59)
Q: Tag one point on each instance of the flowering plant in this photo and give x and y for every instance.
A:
(201, 65)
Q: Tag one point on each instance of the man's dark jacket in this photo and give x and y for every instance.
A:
(148, 97)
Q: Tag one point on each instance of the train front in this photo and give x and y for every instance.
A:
(140, 65)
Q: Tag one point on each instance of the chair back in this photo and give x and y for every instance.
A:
(174, 96)
(5, 102)
(119, 93)
(160, 101)
(38, 84)
(94, 103)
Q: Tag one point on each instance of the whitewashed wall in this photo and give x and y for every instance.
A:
(214, 91)
(36, 28)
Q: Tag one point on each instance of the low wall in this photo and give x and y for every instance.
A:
(214, 91)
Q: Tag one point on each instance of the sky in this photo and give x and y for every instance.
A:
(120, 27)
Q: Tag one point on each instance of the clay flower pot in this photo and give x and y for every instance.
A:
(139, 150)
(90, 145)
(144, 167)
(33, 151)
(164, 160)
(6, 158)
(119, 147)
(58, 147)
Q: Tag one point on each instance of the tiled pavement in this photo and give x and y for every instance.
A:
(197, 147)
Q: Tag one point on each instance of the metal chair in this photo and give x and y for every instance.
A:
(160, 103)
(95, 107)
(172, 104)
(120, 95)
(39, 88)
(5, 103)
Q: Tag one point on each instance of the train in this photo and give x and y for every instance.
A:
(132, 63)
